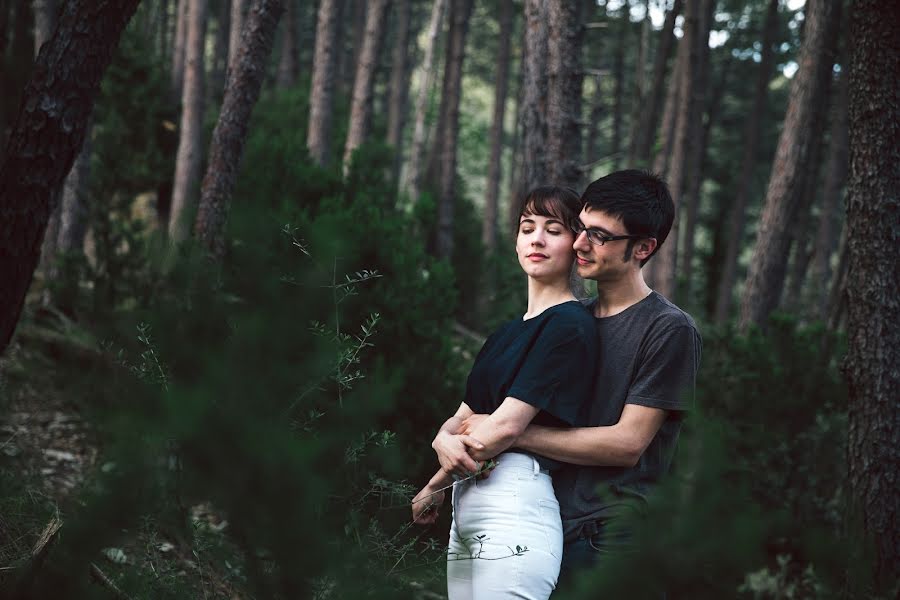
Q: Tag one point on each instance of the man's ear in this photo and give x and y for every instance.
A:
(644, 248)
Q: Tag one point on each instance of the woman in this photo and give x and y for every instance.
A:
(506, 536)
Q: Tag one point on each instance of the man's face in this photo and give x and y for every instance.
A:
(609, 262)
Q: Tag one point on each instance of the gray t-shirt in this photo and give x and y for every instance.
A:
(649, 354)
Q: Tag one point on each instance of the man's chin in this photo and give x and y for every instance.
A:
(585, 271)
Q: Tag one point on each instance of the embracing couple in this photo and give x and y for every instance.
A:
(579, 405)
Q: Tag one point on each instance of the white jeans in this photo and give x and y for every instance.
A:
(506, 539)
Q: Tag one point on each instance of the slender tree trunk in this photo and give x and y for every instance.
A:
(73, 213)
(187, 160)
(501, 85)
(321, 99)
(564, 82)
(363, 86)
(288, 69)
(837, 295)
(665, 268)
(230, 135)
(618, 73)
(220, 53)
(179, 48)
(639, 92)
(767, 267)
(649, 115)
(693, 175)
(354, 27)
(595, 116)
(399, 85)
(414, 178)
(47, 136)
(461, 11)
(516, 181)
(534, 97)
(835, 176)
(735, 236)
(236, 25)
(44, 22)
(670, 115)
(873, 344)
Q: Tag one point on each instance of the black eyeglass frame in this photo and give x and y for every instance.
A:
(593, 235)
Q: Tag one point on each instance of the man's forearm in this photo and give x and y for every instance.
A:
(591, 446)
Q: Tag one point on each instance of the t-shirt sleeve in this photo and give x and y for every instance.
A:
(667, 370)
(557, 375)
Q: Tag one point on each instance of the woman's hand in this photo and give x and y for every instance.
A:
(425, 506)
(452, 452)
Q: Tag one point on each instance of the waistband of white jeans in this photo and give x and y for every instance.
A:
(522, 459)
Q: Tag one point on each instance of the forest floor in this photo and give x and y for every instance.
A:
(48, 452)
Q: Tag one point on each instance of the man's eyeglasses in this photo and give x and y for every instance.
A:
(594, 236)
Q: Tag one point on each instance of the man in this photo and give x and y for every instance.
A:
(649, 355)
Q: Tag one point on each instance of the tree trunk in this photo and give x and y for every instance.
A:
(646, 128)
(618, 73)
(638, 96)
(693, 174)
(501, 85)
(596, 115)
(399, 85)
(363, 85)
(835, 176)
(238, 8)
(288, 71)
(564, 84)
(534, 97)
(179, 49)
(230, 134)
(689, 98)
(73, 213)
(837, 300)
(670, 114)
(873, 344)
(745, 183)
(220, 54)
(187, 160)
(516, 181)
(414, 178)
(460, 12)
(321, 98)
(47, 136)
(44, 22)
(354, 27)
(767, 267)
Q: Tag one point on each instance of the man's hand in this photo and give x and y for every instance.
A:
(471, 422)
(452, 453)
(425, 506)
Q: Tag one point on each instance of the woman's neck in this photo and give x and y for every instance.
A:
(543, 295)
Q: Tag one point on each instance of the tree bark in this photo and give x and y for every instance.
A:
(460, 12)
(689, 97)
(501, 86)
(693, 175)
(414, 178)
(564, 84)
(288, 69)
(534, 97)
(73, 212)
(219, 69)
(873, 345)
(230, 135)
(179, 49)
(187, 160)
(318, 137)
(235, 27)
(670, 114)
(638, 96)
(835, 177)
(363, 85)
(399, 85)
(769, 263)
(751, 142)
(47, 136)
(646, 128)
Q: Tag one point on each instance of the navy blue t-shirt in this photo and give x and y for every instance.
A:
(548, 361)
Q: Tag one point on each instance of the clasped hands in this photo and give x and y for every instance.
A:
(453, 454)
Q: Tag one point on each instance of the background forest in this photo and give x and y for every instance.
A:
(250, 248)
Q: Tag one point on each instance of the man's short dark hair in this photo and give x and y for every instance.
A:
(640, 199)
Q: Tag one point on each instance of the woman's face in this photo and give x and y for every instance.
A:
(544, 247)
